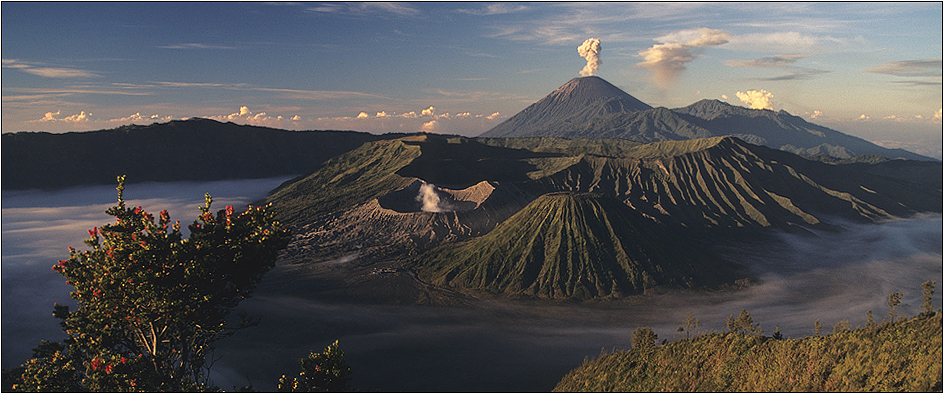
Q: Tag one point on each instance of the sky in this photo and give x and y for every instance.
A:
(872, 70)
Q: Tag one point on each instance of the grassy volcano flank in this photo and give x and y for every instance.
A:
(566, 245)
(904, 356)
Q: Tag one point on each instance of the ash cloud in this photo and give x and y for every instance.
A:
(590, 50)
(666, 61)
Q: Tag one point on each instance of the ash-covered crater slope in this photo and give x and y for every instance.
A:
(432, 205)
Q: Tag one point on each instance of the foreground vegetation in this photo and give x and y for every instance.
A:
(901, 356)
(151, 305)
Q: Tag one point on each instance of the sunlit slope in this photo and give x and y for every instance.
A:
(566, 245)
(905, 356)
(725, 182)
(344, 181)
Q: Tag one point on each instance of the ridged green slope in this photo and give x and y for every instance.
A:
(725, 182)
(573, 246)
(905, 356)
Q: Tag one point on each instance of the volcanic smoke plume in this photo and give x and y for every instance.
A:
(428, 197)
(590, 50)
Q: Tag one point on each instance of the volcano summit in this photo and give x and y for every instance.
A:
(577, 101)
(590, 107)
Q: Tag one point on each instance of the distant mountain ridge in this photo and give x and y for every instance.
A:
(181, 150)
(590, 107)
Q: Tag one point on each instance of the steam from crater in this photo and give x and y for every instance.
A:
(590, 50)
(430, 200)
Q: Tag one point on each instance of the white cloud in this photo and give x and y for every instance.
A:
(431, 126)
(137, 117)
(47, 72)
(80, 117)
(817, 114)
(757, 99)
(790, 42)
(495, 9)
(192, 45)
(367, 8)
(864, 118)
(937, 115)
(463, 123)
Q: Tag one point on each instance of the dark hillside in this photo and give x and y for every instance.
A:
(188, 150)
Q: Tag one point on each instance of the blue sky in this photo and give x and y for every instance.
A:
(866, 69)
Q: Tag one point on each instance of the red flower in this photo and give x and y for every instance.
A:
(97, 292)
(96, 363)
(229, 210)
(124, 360)
(108, 368)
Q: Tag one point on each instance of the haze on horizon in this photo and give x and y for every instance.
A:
(872, 70)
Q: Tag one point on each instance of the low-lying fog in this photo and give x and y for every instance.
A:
(492, 346)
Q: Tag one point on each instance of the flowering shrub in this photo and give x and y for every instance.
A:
(151, 303)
